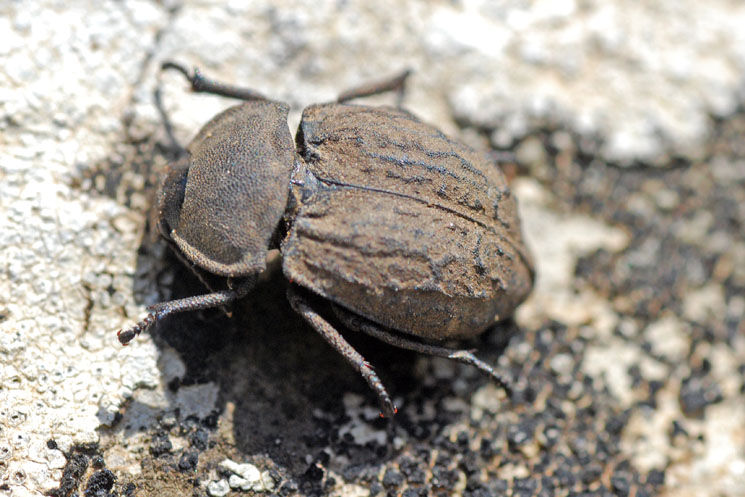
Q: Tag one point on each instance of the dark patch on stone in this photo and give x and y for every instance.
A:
(160, 444)
(188, 461)
(100, 484)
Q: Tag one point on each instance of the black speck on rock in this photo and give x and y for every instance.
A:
(129, 490)
(520, 434)
(697, 393)
(565, 477)
(288, 488)
(678, 430)
(591, 473)
(474, 482)
(408, 466)
(477, 492)
(524, 486)
(656, 477)
(160, 444)
(443, 477)
(74, 470)
(375, 489)
(603, 491)
(188, 461)
(352, 472)
(392, 479)
(620, 486)
(417, 476)
(323, 458)
(550, 435)
(100, 484)
(547, 484)
(486, 450)
(210, 422)
(615, 424)
(314, 473)
(463, 439)
(174, 385)
(470, 463)
(199, 438)
(498, 486)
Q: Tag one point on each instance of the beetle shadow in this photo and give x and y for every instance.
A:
(281, 384)
(281, 388)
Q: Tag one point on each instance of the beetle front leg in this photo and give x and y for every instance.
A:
(163, 309)
(333, 338)
(201, 84)
(358, 323)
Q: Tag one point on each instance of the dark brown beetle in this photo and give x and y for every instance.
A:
(410, 235)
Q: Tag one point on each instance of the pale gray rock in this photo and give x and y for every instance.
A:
(76, 92)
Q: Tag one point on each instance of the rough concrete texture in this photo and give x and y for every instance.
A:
(628, 360)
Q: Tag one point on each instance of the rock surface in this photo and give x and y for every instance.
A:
(628, 359)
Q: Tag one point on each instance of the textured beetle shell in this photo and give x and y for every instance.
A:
(404, 226)
(234, 189)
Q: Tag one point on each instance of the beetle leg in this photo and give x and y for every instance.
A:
(163, 309)
(397, 83)
(200, 274)
(333, 338)
(174, 149)
(200, 84)
(358, 323)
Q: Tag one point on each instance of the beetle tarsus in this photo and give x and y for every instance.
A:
(467, 357)
(388, 412)
(126, 336)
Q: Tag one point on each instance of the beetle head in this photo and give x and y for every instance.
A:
(222, 203)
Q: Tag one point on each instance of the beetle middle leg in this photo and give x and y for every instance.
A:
(333, 338)
(358, 323)
(206, 301)
(397, 83)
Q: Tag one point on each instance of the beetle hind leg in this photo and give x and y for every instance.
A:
(333, 338)
(358, 323)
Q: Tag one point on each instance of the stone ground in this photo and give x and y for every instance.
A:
(622, 128)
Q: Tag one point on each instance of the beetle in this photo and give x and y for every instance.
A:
(412, 237)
